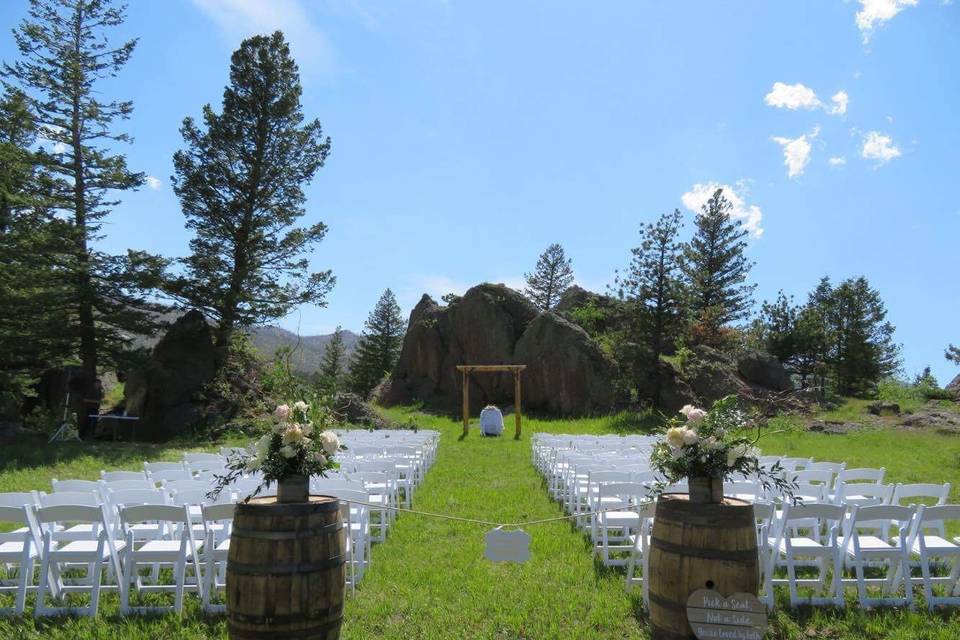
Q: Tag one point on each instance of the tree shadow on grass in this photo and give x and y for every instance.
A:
(630, 422)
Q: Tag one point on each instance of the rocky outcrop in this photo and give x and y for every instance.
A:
(566, 373)
(763, 370)
(166, 395)
(954, 388)
(884, 409)
(352, 410)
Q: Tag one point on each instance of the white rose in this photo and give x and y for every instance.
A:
(696, 416)
(735, 453)
(330, 442)
(300, 405)
(293, 435)
(686, 409)
(675, 437)
(690, 437)
(288, 452)
(319, 458)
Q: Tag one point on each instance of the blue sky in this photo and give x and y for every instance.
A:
(467, 136)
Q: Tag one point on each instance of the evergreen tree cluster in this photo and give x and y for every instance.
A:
(239, 178)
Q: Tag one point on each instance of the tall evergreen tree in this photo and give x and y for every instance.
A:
(952, 354)
(652, 288)
(379, 346)
(64, 57)
(795, 335)
(550, 278)
(717, 268)
(240, 183)
(332, 365)
(862, 350)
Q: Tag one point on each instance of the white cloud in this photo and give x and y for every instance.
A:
(879, 147)
(792, 96)
(438, 286)
(837, 161)
(874, 13)
(59, 147)
(796, 151)
(238, 19)
(799, 96)
(153, 183)
(749, 215)
(840, 100)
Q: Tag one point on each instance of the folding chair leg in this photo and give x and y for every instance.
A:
(179, 576)
(95, 590)
(26, 573)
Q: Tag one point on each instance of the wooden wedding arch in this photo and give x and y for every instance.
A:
(467, 369)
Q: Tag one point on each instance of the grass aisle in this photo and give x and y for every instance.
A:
(430, 579)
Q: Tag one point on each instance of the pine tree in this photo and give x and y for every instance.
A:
(653, 290)
(717, 269)
(32, 291)
(794, 335)
(65, 56)
(379, 346)
(952, 354)
(331, 368)
(552, 276)
(240, 183)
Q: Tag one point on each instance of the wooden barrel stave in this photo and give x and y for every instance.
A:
(698, 546)
(286, 570)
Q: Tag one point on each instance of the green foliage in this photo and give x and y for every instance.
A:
(240, 390)
(589, 317)
(330, 375)
(551, 277)
(379, 346)
(952, 354)
(65, 55)
(240, 182)
(716, 269)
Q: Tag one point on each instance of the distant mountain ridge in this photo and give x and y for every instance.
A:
(308, 350)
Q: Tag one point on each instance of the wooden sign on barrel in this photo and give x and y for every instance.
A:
(738, 617)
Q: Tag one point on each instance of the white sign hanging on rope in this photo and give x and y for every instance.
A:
(507, 546)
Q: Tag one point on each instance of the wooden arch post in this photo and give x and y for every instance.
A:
(516, 369)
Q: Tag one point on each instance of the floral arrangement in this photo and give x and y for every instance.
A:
(714, 444)
(299, 444)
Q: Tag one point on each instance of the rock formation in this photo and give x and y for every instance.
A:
(166, 395)
(567, 374)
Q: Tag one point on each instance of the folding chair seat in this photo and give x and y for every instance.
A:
(61, 551)
(19, 549)
(930, 543)
(217, 522)
(809, 535)
(166, 550)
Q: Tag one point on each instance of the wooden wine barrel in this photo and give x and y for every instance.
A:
(698, 546)
(286, 570)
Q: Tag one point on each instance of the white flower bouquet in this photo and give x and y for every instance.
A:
(294, 449)
(708, 447)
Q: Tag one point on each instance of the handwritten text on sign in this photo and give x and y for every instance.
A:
(713, 617)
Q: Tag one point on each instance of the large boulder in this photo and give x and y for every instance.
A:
(489, 325)
(167, 394)
(567, 374)
(353, 410)
(712, 374)
(763, 370)
(954, 387)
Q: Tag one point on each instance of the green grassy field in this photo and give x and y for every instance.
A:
(430, 580)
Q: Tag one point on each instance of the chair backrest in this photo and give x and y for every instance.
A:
(814, 476)
(627, 492)
(69, 514)
(865, 494)
(130, 497)
(191, 497)
(935, 493)
(153, 467)
(812, 493)
(19, 499)
(124, 485)
(185, 485)
(16, 517)
(74, 485)
(154, 513)
(218, 512)
(877, 520)
(835, 467)
(115, 476)
(825, 513)
(861, 475)
(84, 498)
(170, 475)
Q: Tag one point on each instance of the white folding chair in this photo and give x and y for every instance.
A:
(810, 532)
(170, 475)
(639, 554)
(855, 478)
(864, 494)
(863, 543)
(618, 517)
(935, 545)
(765, 514)
(62, 551)
(381, 489)
(60, 486)
(357, 526)
(154, 467)
(921, 493)
(217, 522)
(176, 553)
(123, 485)
(19, 549)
